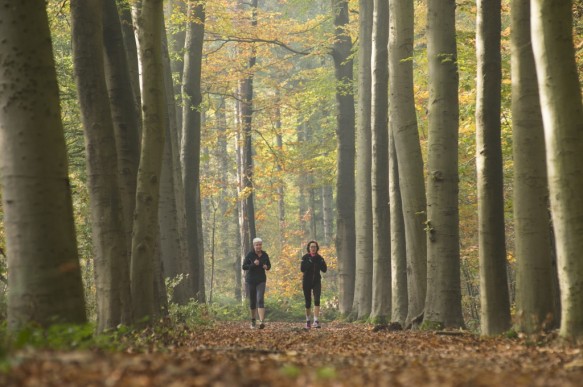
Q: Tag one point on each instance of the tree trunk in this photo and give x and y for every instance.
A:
(109, 235)
(176, 232)
(443, 303)
(562, 114)
(145, 244)
(328, 213)
(361, 306)
(495, 304)
(381, 290)
(129, 38)
(43, 265)
(190, 145)
(410, 160)
(126, 126)
(398, 240)
(345, 190)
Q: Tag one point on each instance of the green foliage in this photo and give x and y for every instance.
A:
(427, 325)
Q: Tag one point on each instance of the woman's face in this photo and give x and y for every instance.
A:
(258, 246)
(313, 248)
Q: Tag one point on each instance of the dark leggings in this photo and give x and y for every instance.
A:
(256, 295)
(317, 288)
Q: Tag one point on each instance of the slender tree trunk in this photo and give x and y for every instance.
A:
(190, 145)
(381, 277)
(129, 38)
(562, 113)
(328, 213)
(443, 303)
(410, 161)
(345, 190)
(145, 244)
(43, 265)
(495, 304)
(398, 240)
(176, 231)
(361, 306)
(126, 125)
(109, 235)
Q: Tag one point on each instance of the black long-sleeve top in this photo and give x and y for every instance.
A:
(311, 267)
(256, 273)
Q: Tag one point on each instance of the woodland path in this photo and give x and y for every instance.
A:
(284, 354)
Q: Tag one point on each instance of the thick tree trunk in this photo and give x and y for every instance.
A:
(43, 265)
(562, 113)
(345, 190)
(362, 304)
(109, 235)
(381, 277)
(145, 244)
(410, 161)
(495, 304)
(443, 303)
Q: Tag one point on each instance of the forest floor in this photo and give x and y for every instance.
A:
(284, 354)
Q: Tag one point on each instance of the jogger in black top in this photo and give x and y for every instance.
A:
(312, 265)
(256, 263)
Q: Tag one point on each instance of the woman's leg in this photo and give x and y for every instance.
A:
(261, 302)
(252, 302)
(317, 292)
(308, 302)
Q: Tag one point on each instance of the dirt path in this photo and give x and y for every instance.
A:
(283, 354)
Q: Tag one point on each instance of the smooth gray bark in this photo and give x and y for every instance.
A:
(443, 302)
(381, 220)
(345, 190)
(190, 145)
(362, 304)
(145, 260)
(410, 160)
(534, 277)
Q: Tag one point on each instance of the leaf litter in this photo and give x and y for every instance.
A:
(283, 354)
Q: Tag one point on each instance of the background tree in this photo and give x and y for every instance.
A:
(44, 275)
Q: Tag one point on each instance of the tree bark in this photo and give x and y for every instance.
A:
(43, 264)
(362, 304)
(410, 160)
(495, 304)
(562, 113)
(146, 239)
(109, 236)
(381, 277)
(345, 190)
(126, 126)
(190, 145)
(399, 291)
(443, 302)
